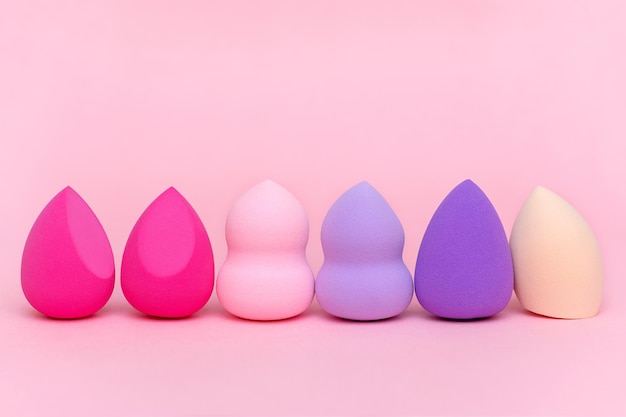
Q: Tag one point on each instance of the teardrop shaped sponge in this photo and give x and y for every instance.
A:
(464, 268)
(363, 276)
(167, 267)
(557, 260)
(67, 265)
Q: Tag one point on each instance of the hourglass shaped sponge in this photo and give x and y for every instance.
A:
(363, 276)
(557, 260)
(67, 265)
(464, 268)
(167, 268)
(266, 275)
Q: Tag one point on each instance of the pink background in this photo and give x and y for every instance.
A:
(123, 99)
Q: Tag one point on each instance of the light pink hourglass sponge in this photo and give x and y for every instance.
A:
(167, 268)
(266, 275)
(67, 265)
(556, 258)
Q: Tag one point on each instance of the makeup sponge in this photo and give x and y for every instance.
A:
(557, 260)
(167, 268)
(266, 275)
(363, 276)
(464, 268)
(67, 266)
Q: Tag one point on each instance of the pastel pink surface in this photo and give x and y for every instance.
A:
(67, 264)
(266, 275)
(122, 99)
(167, 269)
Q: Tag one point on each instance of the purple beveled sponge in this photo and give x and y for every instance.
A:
(464, 268)
(363, 276)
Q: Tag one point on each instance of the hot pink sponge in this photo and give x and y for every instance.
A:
(266, 275)
(167, 267)
(67, 266)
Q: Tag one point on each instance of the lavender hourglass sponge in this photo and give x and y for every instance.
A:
(464, 268)
(363, 276)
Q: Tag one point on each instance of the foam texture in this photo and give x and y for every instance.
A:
(464, 268)
(266, 275)
(363, 276)
(167, 268)
(557, 260)
(67, 265)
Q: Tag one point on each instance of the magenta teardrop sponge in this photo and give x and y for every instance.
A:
(167, 267)
(67, 265)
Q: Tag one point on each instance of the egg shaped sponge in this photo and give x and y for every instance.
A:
(167, 267)
(557, 259)
(67, 265)
(464, 268)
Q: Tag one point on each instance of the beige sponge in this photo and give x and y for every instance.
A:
(556, 259)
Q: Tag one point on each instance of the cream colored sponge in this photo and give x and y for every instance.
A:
(556, 259)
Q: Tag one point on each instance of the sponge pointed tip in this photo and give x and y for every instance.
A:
(170, 190)
(539, 190)
(365, 189)
(468, 184)
(68, 190)
(269, 184)
(365, 184)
